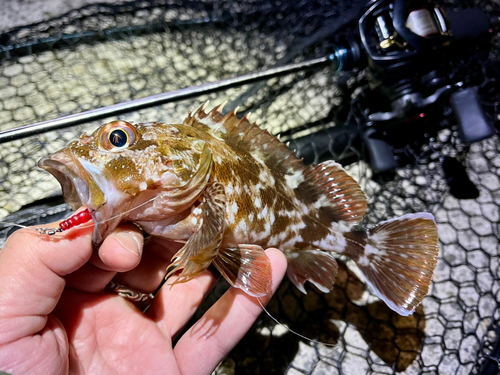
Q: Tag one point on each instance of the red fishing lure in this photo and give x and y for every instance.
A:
(73, 221)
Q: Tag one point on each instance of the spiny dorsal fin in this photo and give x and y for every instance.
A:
(242, 134)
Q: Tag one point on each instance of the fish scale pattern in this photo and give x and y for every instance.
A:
(104, 54)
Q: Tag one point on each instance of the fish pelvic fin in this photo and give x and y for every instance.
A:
(315, 266)
(397, 258)
(245, 267)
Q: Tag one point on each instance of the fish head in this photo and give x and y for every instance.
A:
(120, 166)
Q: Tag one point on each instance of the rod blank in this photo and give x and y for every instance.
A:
(150, 101)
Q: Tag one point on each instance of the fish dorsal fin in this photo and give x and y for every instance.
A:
(329, 191)
(326, 189)
(248, 136)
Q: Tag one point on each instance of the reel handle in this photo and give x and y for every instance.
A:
(472, 123)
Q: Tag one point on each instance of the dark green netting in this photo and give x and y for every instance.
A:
(105, 54)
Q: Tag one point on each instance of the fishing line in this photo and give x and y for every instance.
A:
(292, 331)
(9, 224)
(91, 225)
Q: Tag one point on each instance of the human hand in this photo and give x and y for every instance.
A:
(56, 319)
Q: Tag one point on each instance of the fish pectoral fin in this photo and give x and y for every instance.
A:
(315, 266)
(202, 247)
(246, 267)
(398, 260)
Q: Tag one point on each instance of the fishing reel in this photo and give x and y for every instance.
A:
(422, 60)
(412, 48)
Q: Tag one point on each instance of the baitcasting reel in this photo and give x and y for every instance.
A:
(421, 58)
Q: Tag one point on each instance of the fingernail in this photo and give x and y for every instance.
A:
(129, 241)
(82, 208)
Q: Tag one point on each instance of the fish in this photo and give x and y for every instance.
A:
(227, 189)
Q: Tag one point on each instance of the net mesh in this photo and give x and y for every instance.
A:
(104, 54)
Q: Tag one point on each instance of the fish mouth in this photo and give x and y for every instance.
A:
(68, 172)
(84, 184)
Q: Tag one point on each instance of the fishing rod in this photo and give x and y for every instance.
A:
(335, 59)
(413, 53)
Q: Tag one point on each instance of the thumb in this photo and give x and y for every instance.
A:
(32, 267)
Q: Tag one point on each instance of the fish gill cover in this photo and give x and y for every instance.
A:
(104, 54)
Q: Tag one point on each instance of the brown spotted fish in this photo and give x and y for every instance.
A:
(227, 190)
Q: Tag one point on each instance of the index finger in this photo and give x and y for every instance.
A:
(205, 344)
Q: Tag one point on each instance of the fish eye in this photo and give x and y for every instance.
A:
(118, 138)
(117, 135)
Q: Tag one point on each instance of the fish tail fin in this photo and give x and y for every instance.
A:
(398, 258)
